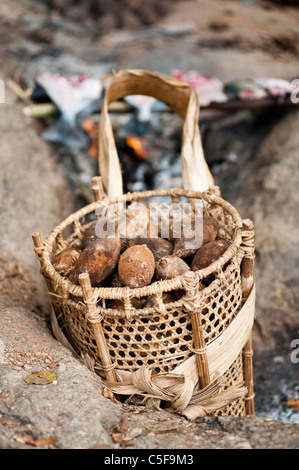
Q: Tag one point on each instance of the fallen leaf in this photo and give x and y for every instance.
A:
(108, 394)
(132, 434)
(22, 438)
(100, 445)
(117, 433)
(162, 431)
(121, 427)
(117, 438)
(135, 410)
(293, 404)
(40, 443)
(42, 377)
(138, 145)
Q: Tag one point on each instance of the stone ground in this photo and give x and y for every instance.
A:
(262, 183)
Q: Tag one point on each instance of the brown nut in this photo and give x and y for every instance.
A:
(98, 259)
(158, 246)
(102, 228)
(188, 245)
(152, 301)
(134, 223)
(115, 281)
(173, 229)
(209, 253)
(170, 267)
(136, 266)
(64, 261)
(210, 229)
(120, 305)
(89, 235)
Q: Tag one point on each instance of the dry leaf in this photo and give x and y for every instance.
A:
(117, 433)
(42, 377)
(100, 445)
(42, 443)
(122, 436)
(162, 431)
(108, 394)
(117, 437)
(123, 426)
(22, 438)
(135, 432)
(45, 442)
(293, 404)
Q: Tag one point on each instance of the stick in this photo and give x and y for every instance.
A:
(247, 280)
(97, 328)
(201, 355)
(38, 243)
(37, 239)
(97, 187)
(198, 337)
(247, 265)
(98, 191)
(24, 95)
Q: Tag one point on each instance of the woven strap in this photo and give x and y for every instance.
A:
(178, 96)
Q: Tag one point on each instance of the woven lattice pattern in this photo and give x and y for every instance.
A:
(72, 318)
(232, 376)
(220, 309)
(159, 343)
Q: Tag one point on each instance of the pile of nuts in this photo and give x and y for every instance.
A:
(132, 257)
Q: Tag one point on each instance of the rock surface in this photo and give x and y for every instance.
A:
(270, 198)
(29, 174)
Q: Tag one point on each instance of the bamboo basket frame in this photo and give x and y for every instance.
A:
(193, 386)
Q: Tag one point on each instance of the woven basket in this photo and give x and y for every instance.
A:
(192, 356)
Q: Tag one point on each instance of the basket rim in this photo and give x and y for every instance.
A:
(158, 287)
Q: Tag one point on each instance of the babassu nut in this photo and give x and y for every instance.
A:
(104, 227)
(190, 242)
(65, 260)
(209, 253)
(152, 301)
(120, 305)
(158, 246)
(170, 267)
(136, 266)
(89, 235)
(134, 222)
(98, 259)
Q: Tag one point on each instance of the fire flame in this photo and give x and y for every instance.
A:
(138, 145)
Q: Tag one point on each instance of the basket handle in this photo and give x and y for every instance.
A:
(177, 95)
